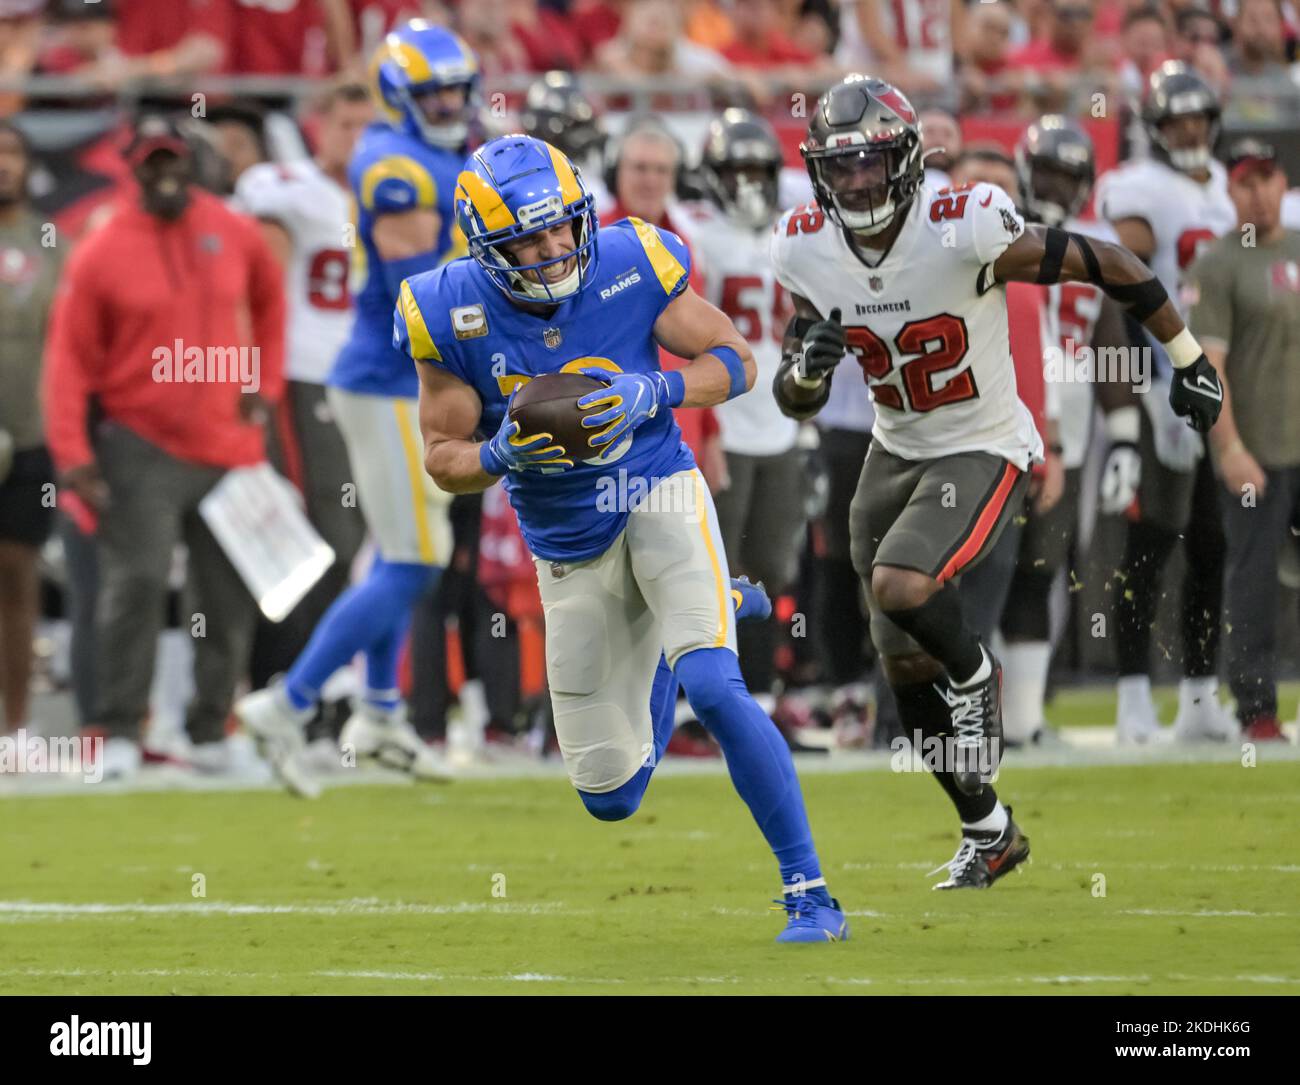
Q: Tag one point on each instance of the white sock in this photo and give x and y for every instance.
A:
(1024, 684)
(993, 823)
(1191, 690)
(982, 672)
(1133, 690)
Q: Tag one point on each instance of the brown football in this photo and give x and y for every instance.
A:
(549, 404)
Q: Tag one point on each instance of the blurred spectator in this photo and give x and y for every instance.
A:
(1052, 63)
(907, 42)
(1198, 42)
(546, 36)
(485, 26)
(760, 40)
(241, 139)
(650, 43)
(372, 19)
(1146, 47)
(29, 271)
(987, 80)
(1258, 45)
(596, 21)
(20, 35)
(940, 144)
(642, 176)
(1245, 312)
(814, 25)
(304, 37)
(152, 391)
(81, 36)
(709, 24)
(166, 38)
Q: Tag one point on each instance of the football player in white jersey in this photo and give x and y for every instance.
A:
(306, 214)
(918, 275)
(760, 523)
(1056, 166)
(1165, 209)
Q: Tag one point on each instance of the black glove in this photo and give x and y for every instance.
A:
(1197, 395)
(823, 347)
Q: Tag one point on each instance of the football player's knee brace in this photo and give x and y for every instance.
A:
(712, 681)
(622, 802)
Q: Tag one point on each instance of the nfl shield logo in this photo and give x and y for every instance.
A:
(551, 337)
(876, 283)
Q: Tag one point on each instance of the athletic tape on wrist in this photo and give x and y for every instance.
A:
(1183, 349)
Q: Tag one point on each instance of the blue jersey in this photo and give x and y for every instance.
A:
(391, 172)
(457, 319)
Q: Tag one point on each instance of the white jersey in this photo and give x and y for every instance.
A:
(935, 350)
(1073, 310)
(1184, 215)
(738, 279)
(317, 214)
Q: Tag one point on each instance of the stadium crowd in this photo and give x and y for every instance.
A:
(88, 291)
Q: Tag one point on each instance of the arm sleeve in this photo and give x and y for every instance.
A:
(1210, 283)
(267, 307)
(76, 341)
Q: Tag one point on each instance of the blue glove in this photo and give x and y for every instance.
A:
(507, 451)
(629, 400)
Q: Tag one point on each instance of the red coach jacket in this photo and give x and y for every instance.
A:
(155, 321)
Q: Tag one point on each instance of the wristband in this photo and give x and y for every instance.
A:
(1183, 349)
(735, 370)
(1123, 425)
(675, 386)
(490, 461)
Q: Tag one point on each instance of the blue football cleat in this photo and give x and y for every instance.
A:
(808, 921)
(750, 600)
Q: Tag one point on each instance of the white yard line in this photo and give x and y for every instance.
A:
(366, 907)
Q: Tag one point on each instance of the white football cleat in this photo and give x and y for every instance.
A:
(388, 739)
(119, 759)
(1136, 722)
(1200, 716)
(277, 728)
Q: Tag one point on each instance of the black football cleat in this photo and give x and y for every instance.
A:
(976, 723)
(982, 858)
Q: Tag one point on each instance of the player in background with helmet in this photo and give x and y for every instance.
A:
(918, 277)
(1056, 165)
(556, 110)
(1166, 209)
(305, 209)
(402, 176)
(760, 520)
(635, 588)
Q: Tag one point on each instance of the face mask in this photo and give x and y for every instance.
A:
(750, 205)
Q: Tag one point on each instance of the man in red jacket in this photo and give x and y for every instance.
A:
(154, 388)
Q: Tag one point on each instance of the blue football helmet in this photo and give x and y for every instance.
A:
(418, 58)
(517, 185)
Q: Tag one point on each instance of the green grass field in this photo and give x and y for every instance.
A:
(379, 889)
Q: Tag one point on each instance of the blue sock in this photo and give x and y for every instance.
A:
(369, 616)
(758, 760)
(624, 800)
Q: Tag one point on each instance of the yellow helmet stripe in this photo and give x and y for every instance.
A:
(422, 346)
(409, 59)
(666, 266)
(570, 190)
(487, 202)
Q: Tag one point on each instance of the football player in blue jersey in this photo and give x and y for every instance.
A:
(403, 178)
(630, 564)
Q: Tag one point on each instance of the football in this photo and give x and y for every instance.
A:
(549, 404)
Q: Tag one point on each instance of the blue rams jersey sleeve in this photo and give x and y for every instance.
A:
(391, 173)
(456, 319)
